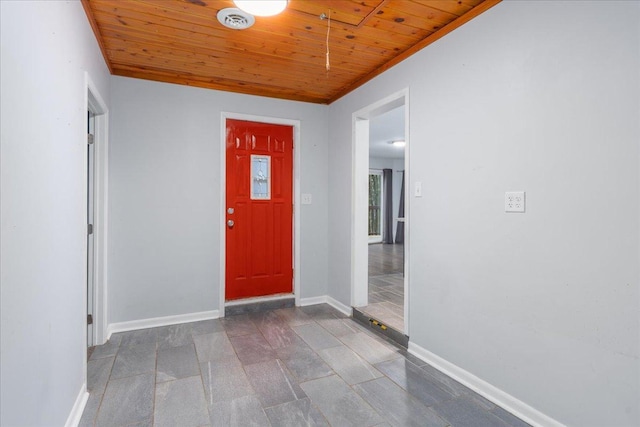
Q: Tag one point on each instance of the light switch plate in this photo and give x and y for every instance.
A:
(418, 189)
(306, 199)
(514, 201)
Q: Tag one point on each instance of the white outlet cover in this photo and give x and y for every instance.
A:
(306, 199)
(514, 201)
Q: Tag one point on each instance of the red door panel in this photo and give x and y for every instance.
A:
(259, 244)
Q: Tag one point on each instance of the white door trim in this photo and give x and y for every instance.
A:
(95, 103)
(360, 170)
(296, 196)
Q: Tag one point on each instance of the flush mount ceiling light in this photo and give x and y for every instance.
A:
(262, 7)
(398, 143)
(235, 18)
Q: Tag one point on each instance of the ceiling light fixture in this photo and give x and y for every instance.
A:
(262, 7)
(398, 143)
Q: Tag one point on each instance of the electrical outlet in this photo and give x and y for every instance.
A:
(306, 199)
(514, 201)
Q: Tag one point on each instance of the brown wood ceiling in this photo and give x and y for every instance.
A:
(181, 41)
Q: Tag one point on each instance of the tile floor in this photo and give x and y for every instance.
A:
(309, 366)
(386, 284)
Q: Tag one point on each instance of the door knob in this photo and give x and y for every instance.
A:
(230, 223)
(230, 211)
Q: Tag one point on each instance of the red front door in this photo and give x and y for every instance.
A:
(259, 211)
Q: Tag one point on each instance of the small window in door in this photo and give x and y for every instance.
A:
(260, 177)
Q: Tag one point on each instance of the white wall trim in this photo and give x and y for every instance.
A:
(296, 196)
(303, 302)
(326, 299)
(345, 309)
(509, 403)
(155, 322)
(95, 103)
(78, 407)
(407, 210)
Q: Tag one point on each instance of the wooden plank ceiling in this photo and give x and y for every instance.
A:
(284, 56)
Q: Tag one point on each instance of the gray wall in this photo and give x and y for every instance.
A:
(541, 97)
(45, 47)
(164, 252)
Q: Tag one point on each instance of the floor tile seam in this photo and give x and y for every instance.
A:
(155, 386)
(377, 276)
(204, 390)
(104, 391)
(361, 359)
(117, 379)
(448, 399)
(391, 302)
(411, 397)
(311, 404)
(331, 333)
(391, 291)
(234, 351)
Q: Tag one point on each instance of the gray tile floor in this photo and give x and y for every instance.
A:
(307, 366)
(386, 284)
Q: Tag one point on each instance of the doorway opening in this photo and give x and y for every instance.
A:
(90, 225)
(260, 225)
(380, 283)
(96, 170)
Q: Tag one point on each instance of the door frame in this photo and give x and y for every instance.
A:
(360, 203)
(223, 201)
(95, 103)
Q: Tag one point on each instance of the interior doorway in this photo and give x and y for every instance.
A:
(96, 171)
(90, 225)
(227, 304)
(380, 279)
(386, 251)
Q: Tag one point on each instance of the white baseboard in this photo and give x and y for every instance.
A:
(161, 321)
(78, 407)
(509, 403)
(345, 309)
(326, 299)
(313, 301)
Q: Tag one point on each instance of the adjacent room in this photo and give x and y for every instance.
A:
(386, 212)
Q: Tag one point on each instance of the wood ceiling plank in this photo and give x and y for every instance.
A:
(317, 61)
(144, 56)
(180, 41)
(312, 63)
(96, 30)
(284, 45)
(336, 57)
(458, 8)
(482, 7)
(206, 66)
(226, 54)
(266, 33)
(217, 84)
(346, 11)
(415, 15)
